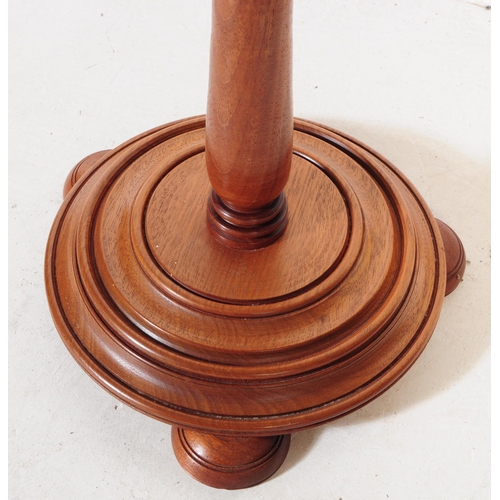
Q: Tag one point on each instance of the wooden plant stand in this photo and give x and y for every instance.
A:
(246, 275)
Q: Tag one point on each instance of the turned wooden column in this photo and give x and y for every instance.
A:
(249, 130)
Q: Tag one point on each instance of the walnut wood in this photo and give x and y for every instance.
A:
(249, 120)
(455, 257)
(235, 342)
(230, 462)
(80, 169)
(244, 343)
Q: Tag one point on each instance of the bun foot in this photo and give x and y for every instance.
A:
(229, 462)
(455, 257)
(81, 168)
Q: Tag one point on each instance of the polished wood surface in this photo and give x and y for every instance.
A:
(455, 257)
(235, 335)
(230, 462)
(249, 120)
(80, 169)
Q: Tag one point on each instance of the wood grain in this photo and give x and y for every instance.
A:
(229, 462)
(248, 360)
(244, 276)
(249, 120)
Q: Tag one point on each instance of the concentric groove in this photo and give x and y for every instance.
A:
(140, 241)
(158, 356)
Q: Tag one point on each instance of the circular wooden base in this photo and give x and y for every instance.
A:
(234, 342)
(229, 462)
